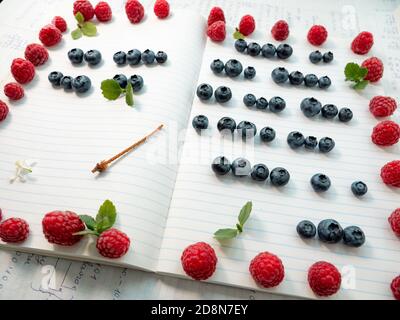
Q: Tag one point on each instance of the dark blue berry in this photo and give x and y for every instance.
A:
(161, 57)
(204, 91)
(262, 103)
(241, 167)
(267, 134)
(315, 56)
(136, 82)
(280, 75)
(122, 80)
(296, 78)
(66, 82)
(253, 49)
(55, 78)
(268, 50)
(320, 182)
(310, 80)
(93, 57)
(277, 104)
(324, 82)
(249, 73)
(330, 231)
(120, 58)
(329, 111)
(326, 144)
(259, 172)
(81, 84)
(75, 56)
(311, 143)
(284, 51)
(223, 94)
(226, 123)
(148, 56)
(233, 68)
(345, 115)
(310, 107)
(327, 57)
(306, 229)
(247, 129)
(133, 57)
(279, 177)
(359, 188)
(217, 66)
(200, 122)
(295, 139)
(353, 236)
(241, 45)
(249, 100)
(221, 166)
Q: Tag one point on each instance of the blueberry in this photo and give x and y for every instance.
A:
(223, 94)
(226, 123)
(249, 100)
(267, 134)
(279, 177)
(253, 49)
(268, 50)
(241, 167)
(320, 182)
(310, 143)
(353, 236)
(327, 57)
(306, 229)
(277, 104)
(310, 80)
(249, 73)
(330, 231)
(148, 56)
(93, 57)
(81, 84)
(324, 82)
(315, 56)
(217, 66)
(120, 58)
(122, 80)
(295, 139)
(280, 75)
(75, 56)
(326, 144)
(204, 91)
(200, 122)
(284, 51)
(296, 78)
(233, 68)
(136, 82)
(359, 188)
(345, 115)
(241, 45)
(329, 111)
(221, 166)
(259, 172)
(161, 57)
(134, 57)
(247, 129)
(261, 103)
(310, 107)
(66, 82)
(55, 78)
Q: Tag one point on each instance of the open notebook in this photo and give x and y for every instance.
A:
(167, 199)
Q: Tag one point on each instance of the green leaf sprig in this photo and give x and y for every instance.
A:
(86, 28)
(238, 35)
(230, 233)
(356, 74)
(112, 91)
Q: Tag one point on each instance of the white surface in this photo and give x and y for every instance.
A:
(126, 282)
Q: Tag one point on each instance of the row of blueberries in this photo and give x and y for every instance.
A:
(283, 51)
(316, 57)
(312, 107)
(233, 68)
(136, 81)
(280, 76)
(80, 84)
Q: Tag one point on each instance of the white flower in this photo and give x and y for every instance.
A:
(22, 168)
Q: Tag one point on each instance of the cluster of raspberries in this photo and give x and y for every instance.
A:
(135, 10)
(102, 11)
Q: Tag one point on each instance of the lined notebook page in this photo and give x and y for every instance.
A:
(203, 202)
(69, 135)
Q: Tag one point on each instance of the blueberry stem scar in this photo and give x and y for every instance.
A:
(103, 165)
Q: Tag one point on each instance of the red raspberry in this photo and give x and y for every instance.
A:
(386, 133)
(3, 111)
(103, 11)
(37, 54)
(14, 91)
(375, 69)
(59, 227)
(267, 270)
(280, 30)
(362, 43)
(217, 31)
(390, 173)
(395, 286)
(394, 221)
(324, 278)
(60, 23)
(50, 35)
(317, 35)
(216, 14)
(247, 25)
(161, 9)
(113, 244)
(85, 8)
(22, 70)
(134, 10)
(199, 261)
(382, 106)
(14, 230)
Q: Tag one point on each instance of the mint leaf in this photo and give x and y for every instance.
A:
(79, 18)
(111, 89)
(88, 221)
(89, 29)
(225, 234)
(362, 72)
(105, 219)
(245, 213)
(238, 35)
(352, 71)
(361, 85)
(76, 34)
(129, 95)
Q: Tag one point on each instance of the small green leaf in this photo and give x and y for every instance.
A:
(363, 72)
(225, 234)
(361, 85)
(245, 213)
(88, 221)
(238, 35)
(89, 29)
(79, 18)
(76, 34)
(129, 95)
(105, 219)
(351, 71)
(111, 89)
